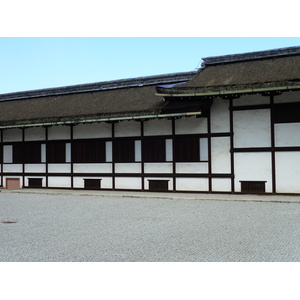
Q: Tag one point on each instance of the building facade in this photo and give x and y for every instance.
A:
(232, 126)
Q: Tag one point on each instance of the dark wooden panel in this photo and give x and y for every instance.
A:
(92, 184)
(158, 185)
(123, 150)
(35, 182)
(286, 112)
(186, 149)
(56, 152)
(154, 149)
(89, 151)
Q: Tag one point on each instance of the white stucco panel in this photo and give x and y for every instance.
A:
(287, 134)
(191, 184)
(220, 116)
(129, 183)
(191, 125)
(92, 168)
(128, 168)
(95, 130)
(59, 168)
(60, 182)
(9, 168)
(220, 155)
(253, 167)
(35, 168)
(35, 134)
(59, 133)
(12, 135)
(221, 185)
(192, 168)
(128, 128)
(158, 127)
(252, 128)
(251, 100)
(287, 172)
(158, 168)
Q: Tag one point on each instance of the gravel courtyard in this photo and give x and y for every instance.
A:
(97, 227)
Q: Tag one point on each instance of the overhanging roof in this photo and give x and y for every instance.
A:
(277, 69)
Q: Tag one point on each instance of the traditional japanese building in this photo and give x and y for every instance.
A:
(232, 126)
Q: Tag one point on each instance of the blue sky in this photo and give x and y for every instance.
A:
(29, 63)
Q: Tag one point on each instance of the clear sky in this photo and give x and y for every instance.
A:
(29, 63)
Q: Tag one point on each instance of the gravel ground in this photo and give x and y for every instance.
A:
(75, 227)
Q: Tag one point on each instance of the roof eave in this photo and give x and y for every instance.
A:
(193, 92)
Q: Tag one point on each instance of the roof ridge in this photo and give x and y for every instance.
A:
(213, 60)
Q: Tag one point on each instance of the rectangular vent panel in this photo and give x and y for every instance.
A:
(253, 186)
(35, 182)
(92, 184)
(158, 185)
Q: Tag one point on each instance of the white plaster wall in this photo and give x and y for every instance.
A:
(35, 168)
(220, 153)
(287, 97)
(192, 168)
(158, 168)
(7, 153)
(12, 135)
(191, 184)
(252, 128)
(221, 185)
(170, 182)
(108, 151)
(4, 180)
(68, 152)
(106, 182)
(43, 181)
(128, 128)
(59, 133)
(63, 181)
(220, 116)
(134, 183)
(128, 168)
(203, 149)
(59, 168)
(92, 168)
(158, 127)
(43, 153)
(251, 100)
(191, 125)
(287, 172)
(95, 130)
(35, 134)
(253, 167)
(287, 134)
(12, 168)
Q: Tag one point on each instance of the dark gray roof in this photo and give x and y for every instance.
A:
(250, 71)
(86, 103)
(213, 60)
(102, 86)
